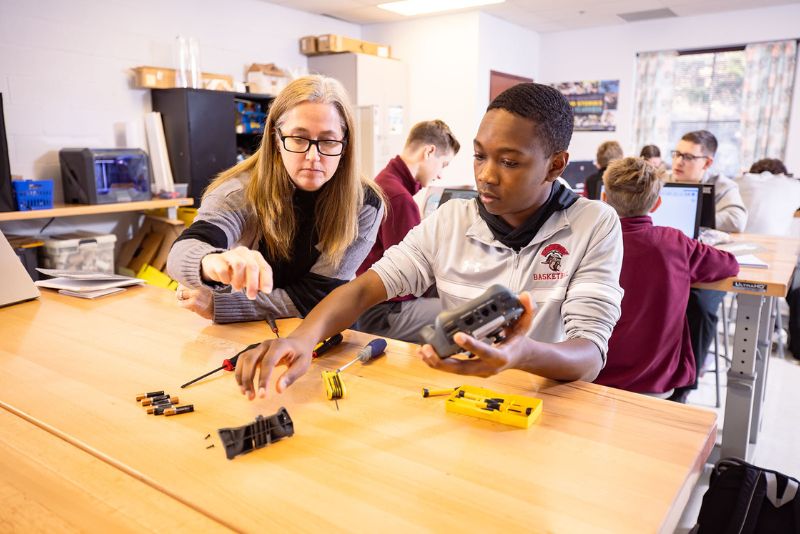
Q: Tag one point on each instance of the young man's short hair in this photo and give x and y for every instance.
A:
(650, 151)
(608, 152)
(632, 186)
(546, 107)
(703, 138)
(774, 166)
(435, 133)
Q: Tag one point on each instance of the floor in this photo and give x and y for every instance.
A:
(779, 439)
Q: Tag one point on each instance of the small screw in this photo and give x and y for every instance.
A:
(207, 436)
(210, 446)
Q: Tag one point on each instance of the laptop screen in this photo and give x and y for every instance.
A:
(680, 208)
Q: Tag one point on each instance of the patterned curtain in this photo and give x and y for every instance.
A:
(766, 100)
(655, 72)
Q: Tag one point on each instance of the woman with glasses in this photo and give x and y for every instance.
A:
(279, 231)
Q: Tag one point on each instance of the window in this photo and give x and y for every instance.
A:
(707, 95)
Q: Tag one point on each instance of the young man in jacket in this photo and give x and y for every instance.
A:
(430, 148)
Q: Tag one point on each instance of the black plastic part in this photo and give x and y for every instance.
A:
(483, 318)
(260, 433)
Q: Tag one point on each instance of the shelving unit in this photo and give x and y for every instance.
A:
(200, 131)
(72, 210)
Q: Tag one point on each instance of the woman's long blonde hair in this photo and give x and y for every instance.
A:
(270, 189)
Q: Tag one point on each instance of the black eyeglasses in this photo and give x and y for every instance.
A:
(301, 145)
(688, 158)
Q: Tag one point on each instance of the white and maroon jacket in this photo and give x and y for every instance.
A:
(571, 267)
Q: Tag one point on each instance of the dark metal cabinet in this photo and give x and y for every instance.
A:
(199, 127)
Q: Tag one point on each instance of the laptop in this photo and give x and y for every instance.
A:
(680, 208)
(449, 193)
(16, 284)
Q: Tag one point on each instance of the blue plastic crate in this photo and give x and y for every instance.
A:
(33, 194)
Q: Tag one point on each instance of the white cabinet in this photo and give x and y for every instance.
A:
(378, 90)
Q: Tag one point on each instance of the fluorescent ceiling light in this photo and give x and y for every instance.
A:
(423, 7)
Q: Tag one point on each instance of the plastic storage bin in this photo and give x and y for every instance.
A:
(33, 194)
(80, 251)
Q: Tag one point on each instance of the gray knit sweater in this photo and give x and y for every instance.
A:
(299, 284)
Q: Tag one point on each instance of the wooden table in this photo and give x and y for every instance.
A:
(599, 459)
(757, 290)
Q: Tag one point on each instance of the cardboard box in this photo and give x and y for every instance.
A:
(332, 43)
(150, 245)
(266, 79)
(164, 78)
(308, 45)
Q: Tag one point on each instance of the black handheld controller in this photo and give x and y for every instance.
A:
(483, 318)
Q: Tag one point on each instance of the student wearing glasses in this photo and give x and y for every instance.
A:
(691, 160)
(690, 163)
(277, 232)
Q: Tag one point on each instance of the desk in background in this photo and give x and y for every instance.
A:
(756, 291)
(599, 459)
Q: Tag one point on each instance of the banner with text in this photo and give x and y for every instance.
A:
(594, 103)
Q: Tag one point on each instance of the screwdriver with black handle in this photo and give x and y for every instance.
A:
(229, 364)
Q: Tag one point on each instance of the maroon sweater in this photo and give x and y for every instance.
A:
(649, 350)
(402, 214)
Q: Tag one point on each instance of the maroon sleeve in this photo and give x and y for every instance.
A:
(708, 264)
(403, 215)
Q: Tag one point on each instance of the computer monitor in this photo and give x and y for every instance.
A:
(576, 172)
(708, 208)
(680, 208)
(449, 193)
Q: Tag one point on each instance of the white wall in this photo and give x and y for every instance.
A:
(449, 59)
(506, 48)
(610, 53)
(442, 58)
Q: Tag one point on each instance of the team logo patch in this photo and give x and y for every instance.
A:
(553, 257)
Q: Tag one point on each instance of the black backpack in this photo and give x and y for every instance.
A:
(745, 499)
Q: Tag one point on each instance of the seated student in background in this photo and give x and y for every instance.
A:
(277, 232)
(650, 351)
(524, 231)
(771, 197)
(691, 160)
(606, 153)
(429, 148)
(652, 155)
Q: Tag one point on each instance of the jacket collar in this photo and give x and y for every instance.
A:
(400, 169)
(636, 223)
(480, 231)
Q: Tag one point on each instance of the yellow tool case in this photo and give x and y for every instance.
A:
(514, 410)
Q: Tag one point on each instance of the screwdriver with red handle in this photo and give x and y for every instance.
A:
(229, 364)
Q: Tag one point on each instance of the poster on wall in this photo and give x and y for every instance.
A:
(594, 103)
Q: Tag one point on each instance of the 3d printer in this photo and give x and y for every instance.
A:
(104, 176)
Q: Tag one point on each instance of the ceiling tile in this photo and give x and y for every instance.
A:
(539, 15)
